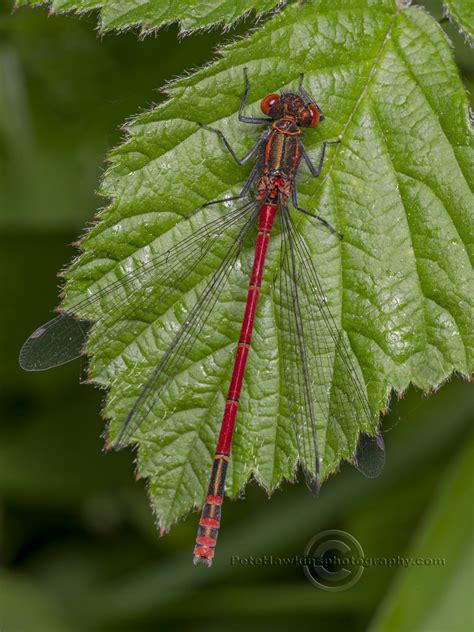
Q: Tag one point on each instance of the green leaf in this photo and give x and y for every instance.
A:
(150, 15)
(397, 187)
(461, 12)
(434, 593)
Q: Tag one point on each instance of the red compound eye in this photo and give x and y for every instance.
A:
(316, 116)
(269, 101)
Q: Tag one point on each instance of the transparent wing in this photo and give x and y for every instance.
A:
(369, 457)
(179, 350)
(58, 341)
(61, 339)
(299, 387)
(324, 388)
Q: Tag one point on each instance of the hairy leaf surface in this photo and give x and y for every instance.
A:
(149, 15)
(462, 12)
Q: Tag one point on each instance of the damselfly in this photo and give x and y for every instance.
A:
(323, 383)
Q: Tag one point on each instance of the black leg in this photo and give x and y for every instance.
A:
(239, 161)
(243, 193)
(244, 119)
(308, 98)
(294, 197)
(316, 170)
(255, 120)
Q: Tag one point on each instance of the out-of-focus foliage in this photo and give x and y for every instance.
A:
(78, 548)
(446, 603)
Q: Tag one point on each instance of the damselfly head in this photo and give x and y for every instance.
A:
(292, 105)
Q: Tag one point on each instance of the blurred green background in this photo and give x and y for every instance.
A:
(78, 547)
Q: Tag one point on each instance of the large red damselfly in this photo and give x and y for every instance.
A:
(323, 383)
